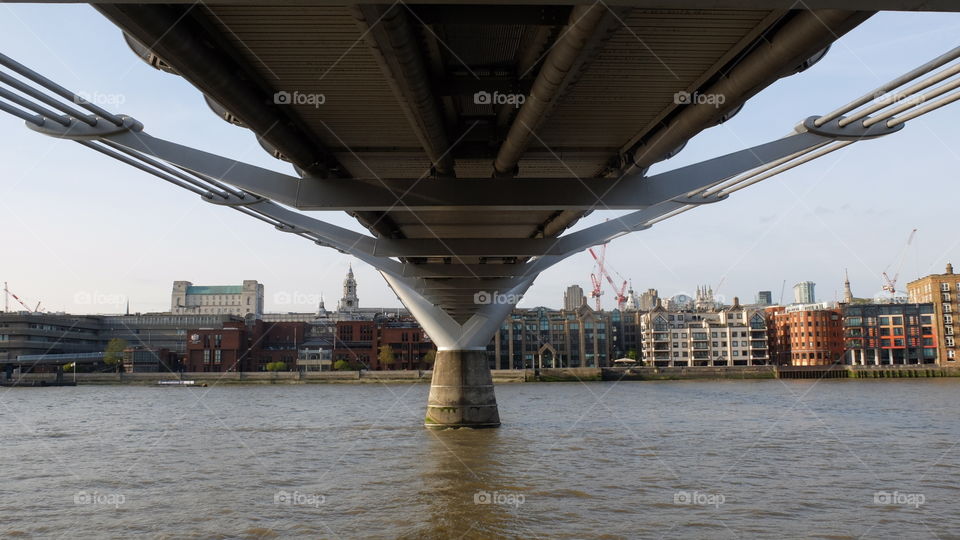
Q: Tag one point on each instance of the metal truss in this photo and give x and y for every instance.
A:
(443, 291)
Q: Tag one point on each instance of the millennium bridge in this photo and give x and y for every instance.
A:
(469, 137)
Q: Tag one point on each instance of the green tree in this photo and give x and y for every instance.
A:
(430, 357)
(276, 366)
(113, 355)
(386, 355)
(342, 365)
(632, 354)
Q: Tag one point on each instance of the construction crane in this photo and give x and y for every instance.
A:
(603, 272)
(890, 284)
(595, 277)
(6, 300)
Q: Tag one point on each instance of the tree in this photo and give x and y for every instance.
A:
(632, 354)
(430, 357)
(113, 355)
(342, 365)
(276, 366)
(386, 355)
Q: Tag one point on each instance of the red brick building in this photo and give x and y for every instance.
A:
(805, 335)
(277, 342)
(241, 347)
(359, 342)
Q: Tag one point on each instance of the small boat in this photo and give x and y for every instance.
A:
(177, 383)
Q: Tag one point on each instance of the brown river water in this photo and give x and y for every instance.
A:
(725, 459)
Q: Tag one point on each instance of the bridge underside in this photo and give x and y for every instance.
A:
(418, 97)
(468, 137)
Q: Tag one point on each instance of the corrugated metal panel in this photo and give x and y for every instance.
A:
(638, 71)
(480, 46)
(319, 50)
(628, 85)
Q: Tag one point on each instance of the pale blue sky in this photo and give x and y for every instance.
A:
(81, 232)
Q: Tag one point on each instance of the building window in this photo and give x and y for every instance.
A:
(216, 357)
(206, 356)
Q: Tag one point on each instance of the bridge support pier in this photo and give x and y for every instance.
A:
(461, 392)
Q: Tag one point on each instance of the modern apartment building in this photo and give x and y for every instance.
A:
(889, 334)
(736, 336)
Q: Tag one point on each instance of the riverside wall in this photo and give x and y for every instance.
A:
(509, 375)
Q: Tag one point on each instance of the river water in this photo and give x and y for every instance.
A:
(725, 459)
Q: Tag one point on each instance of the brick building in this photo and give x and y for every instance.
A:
(943, 291)
(359, 342)
(241, 347)
(805, 334)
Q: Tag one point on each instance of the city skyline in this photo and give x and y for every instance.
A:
(808, 224)
(311, 301)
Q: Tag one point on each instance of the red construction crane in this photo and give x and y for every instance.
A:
(6, 300)
(890, 284)
(595, 277)
(603, 273)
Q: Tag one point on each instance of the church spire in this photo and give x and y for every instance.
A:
(847, 293)
(349, 301)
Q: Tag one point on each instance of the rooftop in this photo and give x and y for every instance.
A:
(215, 289)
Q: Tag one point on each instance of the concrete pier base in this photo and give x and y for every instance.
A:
(461, 392)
